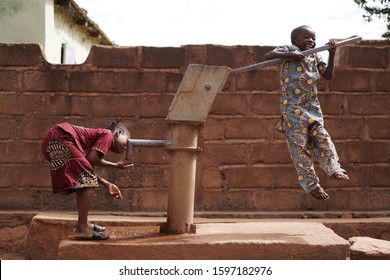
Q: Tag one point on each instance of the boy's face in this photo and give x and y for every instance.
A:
(305, 39)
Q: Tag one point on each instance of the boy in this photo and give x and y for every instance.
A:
(301, 116)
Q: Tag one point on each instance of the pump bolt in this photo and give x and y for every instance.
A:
(207, 86)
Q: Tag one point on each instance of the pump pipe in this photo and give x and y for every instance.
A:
(132, 143)
(280, 60)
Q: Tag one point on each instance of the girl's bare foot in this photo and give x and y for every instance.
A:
(89, 235)
(96, 228)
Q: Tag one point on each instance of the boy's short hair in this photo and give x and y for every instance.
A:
(296, 31)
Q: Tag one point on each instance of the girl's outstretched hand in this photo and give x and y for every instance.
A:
(114, 191)
(124, 165)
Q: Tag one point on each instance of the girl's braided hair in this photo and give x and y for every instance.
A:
(116, 125)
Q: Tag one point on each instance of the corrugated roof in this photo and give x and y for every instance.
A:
(81, 18)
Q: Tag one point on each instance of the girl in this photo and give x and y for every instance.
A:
(72, 152)
(302, 120)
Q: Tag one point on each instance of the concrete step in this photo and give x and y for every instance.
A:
(218, 241)
(47, 230)
(138, 237)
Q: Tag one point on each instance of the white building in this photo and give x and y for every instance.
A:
(61, 27)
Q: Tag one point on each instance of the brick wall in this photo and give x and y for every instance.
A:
(244, 164)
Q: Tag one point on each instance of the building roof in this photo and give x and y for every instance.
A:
(80, 17)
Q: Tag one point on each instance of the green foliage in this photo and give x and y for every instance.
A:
(378, 8)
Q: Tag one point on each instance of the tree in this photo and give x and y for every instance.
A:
(378, 8)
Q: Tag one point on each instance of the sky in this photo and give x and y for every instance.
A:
(175, 23)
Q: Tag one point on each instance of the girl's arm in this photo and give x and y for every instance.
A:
(110, 187)
(94, 158)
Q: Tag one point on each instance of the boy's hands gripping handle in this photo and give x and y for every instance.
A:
(279, 60)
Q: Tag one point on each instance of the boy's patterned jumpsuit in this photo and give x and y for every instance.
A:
(302, 120)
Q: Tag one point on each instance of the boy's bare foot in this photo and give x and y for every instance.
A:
(340, 176)
(319, 193)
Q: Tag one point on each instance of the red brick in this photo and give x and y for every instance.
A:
(36, 129)
(17, 198)
(380, 176)
(9, 175)
(211, 178)
(264, 104)
(213, 129)
(57, 105)
(20, 104)
(359, 176)
(44, 199)
(236, 56)
(155, 105)
(227, 200)
(34, 176)
(363, 57)
(20, 152)
(9, 127)
(110, 57)
(224, 153)
(195, 54)
(249, 177)
(21, 55)
(229, 104)
(152, 155)
(289, 199)
(259, 80)
(382, 81)
(378, 199)
(342, 151)
(153, 57)
(149, 129)
(270, 153)
(355, 199)
(345, 128)
(113, 106)
(260, 52)
(172, 82)
(131, 81)
(52, 80)
(9, 80)
(332, 104)
(368, 152)
(286, 176)
(92, 81)
(140, 82)
(154, 176)
(129, 179)
(379, 128)
(369, 104)
(351, 81)
(151, 200)
(245, 128)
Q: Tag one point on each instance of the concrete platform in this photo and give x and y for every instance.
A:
(47, 230)
(137, 236)
(218, 241)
